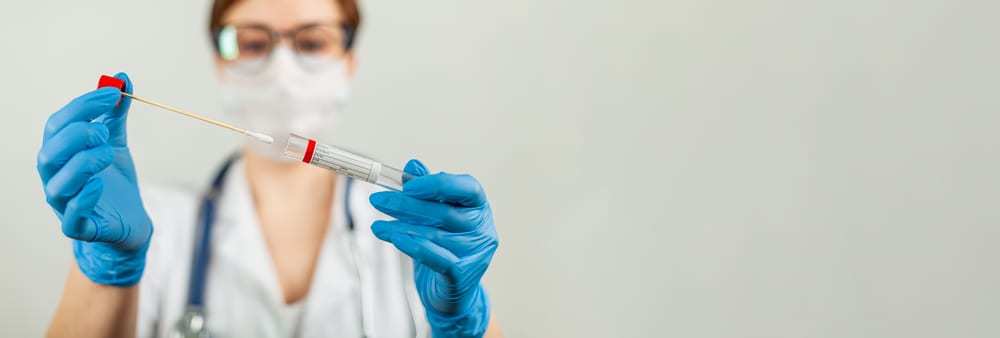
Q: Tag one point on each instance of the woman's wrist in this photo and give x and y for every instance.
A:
(471, 322)
(105, 264)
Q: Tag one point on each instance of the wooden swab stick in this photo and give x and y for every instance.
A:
(258, 136)
(110, 81)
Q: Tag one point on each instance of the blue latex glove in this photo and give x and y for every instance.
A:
(89, 181)
(445, 224)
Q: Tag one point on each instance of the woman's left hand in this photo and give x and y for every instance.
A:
(444, 222)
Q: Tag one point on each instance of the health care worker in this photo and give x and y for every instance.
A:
(272, 248)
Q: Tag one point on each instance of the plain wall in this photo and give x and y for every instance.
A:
(678, 168)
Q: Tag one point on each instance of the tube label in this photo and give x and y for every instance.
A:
(342, 161)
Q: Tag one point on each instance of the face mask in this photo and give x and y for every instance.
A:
(285, 97)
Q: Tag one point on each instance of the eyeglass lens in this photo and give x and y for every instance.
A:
(249, 43)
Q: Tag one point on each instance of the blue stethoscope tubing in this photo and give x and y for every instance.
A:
(192, 323)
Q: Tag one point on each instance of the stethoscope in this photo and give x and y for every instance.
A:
(192, 323)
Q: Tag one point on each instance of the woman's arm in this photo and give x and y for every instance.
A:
(493, 330)
(89, 180)
(88, 309)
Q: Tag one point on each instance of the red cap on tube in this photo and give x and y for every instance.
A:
(111, 81)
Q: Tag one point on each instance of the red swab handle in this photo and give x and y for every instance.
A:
(111, 81)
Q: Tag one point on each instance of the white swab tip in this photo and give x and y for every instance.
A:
(261, 137)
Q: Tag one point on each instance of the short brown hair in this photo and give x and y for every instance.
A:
(352, 17)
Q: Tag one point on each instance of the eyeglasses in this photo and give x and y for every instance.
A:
(256, 42)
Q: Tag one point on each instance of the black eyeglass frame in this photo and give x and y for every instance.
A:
(277, 36)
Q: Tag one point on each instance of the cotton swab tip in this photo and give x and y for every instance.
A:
(261, 137)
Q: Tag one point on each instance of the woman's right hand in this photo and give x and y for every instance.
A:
(90, 182)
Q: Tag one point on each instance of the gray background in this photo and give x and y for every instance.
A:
(658, 168)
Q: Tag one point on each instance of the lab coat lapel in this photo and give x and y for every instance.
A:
(331, 307)
(245, 267)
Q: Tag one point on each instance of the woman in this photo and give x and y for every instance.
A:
(273, 248)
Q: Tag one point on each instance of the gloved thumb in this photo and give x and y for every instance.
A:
(415, 168)
(78, 221)
(116, 119)
(86, 222)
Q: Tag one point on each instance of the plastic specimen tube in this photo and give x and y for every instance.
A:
(344, 162)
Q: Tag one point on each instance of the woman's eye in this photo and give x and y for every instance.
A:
(253, 47)
(311, 45)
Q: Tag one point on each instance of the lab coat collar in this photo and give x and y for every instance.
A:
(239, 240)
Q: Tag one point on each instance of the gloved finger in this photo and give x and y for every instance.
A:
(58, 149)
(419, 248)
(80, 168)
(116, 120)
(79, 221)
(459, 189)
(427, 213)
(414, 168)
(84, 108)
(459, 244)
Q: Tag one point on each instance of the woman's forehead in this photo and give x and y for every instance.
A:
(283, 14)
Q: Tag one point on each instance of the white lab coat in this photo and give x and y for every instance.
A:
(243, 297)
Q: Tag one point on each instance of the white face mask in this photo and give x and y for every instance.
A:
(284, 98)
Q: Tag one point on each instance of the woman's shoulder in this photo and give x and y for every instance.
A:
(173, 210)
(159, 191)
(361, 208)
(169, 203)
(363, 215)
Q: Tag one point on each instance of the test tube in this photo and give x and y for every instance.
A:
(344, 162)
